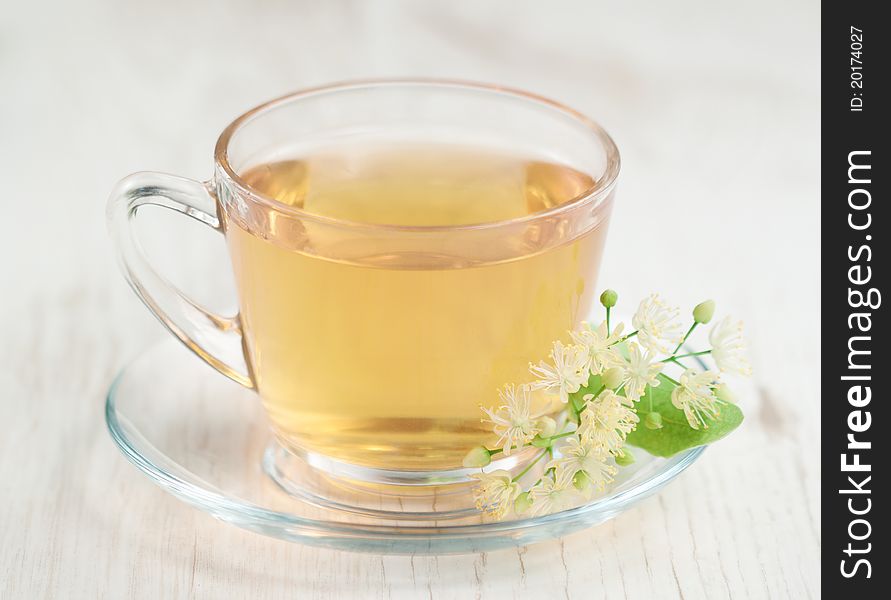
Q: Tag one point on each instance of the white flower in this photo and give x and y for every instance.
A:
(551, 494)
(587, 458)
(696, 397)
(606, 421)
(641, 371)
(600, 345)
(656, 327)
(513, 421)
(569, 372)
(729, 346)
(496, 492)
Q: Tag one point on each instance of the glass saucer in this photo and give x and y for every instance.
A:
(204, 439)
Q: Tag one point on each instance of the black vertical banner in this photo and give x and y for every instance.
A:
(855, 223)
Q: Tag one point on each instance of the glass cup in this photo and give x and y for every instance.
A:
(373, 345)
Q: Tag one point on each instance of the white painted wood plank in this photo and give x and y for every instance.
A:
(716, 112)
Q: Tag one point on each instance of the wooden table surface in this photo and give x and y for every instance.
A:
(715, 108)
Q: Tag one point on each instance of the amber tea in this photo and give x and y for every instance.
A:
(381, 357)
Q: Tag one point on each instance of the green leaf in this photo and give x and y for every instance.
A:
(676, 435)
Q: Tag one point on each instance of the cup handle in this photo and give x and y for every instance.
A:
(216, 339)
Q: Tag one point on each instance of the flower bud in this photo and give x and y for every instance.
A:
(725, 394)
(478, 457)
(626, 458)
(704, 311)
(522, 503)
(581, 481)
(546, 426)
(653, 420)
(608, 298)
(612, 377)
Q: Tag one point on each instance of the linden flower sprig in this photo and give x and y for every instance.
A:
(606, 381)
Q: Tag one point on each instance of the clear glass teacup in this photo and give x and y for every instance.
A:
(401, 249)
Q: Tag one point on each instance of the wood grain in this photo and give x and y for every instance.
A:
(715, 109)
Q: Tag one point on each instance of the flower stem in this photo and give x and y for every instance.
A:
(674, 358)
(627, 337)
(607, 322)
(547, 442)
(530, 465)
(561, 435)
(689, 331)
